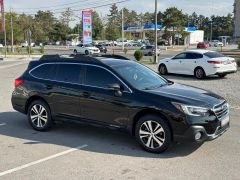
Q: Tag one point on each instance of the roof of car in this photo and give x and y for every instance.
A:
(202, 51)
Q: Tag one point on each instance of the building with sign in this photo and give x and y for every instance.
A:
(195, 36)
(236, 11)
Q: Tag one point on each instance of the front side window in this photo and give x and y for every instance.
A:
(99, 77)
(69, 73)
(45, 71)
(180, 56)
(139, 76)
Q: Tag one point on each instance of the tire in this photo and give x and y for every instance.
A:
(39, 116)
(222, 75)
(199, 73)
(163, 69)
(155, 143)
(86, 52)
(149, 54)
(75, 51)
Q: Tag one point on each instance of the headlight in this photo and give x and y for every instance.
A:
(192, 110)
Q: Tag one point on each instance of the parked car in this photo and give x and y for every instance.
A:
(25, 44)
(102, 48)
(215, 43)
(86, 49)
(200, 63)
(119, 94)
(202, 45)
(149, 50)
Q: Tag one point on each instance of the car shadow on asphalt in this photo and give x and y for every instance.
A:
(98, 139)
(174, 77)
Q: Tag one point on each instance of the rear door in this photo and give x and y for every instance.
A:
(190, 62)
(67, 90)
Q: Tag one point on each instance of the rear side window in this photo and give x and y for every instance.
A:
(198, 56)
(99, 77)
(213, 54)
(190, 56)
(69, 73)
(45, 71)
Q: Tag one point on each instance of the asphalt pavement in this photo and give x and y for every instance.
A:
(74, 151)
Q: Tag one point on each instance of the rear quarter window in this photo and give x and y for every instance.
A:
(213, 54)
(45, 71)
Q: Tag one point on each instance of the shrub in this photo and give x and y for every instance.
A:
(138, 55)
(19, 50)
(42, 50)
(30, 50)
(238, 45)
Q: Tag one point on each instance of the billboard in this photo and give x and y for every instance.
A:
(3, 15)
(87, 26)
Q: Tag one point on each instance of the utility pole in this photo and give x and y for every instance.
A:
(5, 35)
(122, 30)
(211, 33)
(12, 30)
(156, 34)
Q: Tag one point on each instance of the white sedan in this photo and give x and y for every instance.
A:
(86, 49)
(200, 63)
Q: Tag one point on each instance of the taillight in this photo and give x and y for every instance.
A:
(215, 62)
(18, 82)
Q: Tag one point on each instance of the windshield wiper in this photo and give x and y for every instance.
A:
(154, 87)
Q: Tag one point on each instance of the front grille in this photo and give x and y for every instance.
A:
(221, 110)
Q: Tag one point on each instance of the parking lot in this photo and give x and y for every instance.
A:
(74, 151)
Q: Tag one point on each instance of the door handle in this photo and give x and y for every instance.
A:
(48, 86)
(86, 94)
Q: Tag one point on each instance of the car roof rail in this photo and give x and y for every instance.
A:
(114, 56)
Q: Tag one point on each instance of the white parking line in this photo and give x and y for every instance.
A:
(235, 107)
(12, 65)
(42, 160)
(3, 124)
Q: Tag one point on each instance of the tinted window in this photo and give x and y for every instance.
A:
(46, 71)
(190, 56)
(198, 56)
(213, 54)
(99, 77)
(180, 56)
(149, 47)
(69, 73)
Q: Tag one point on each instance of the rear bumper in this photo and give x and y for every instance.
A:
(189, 135)
(225, 72)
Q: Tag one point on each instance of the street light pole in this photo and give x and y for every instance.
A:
(122, 30)
(12, 30)
(156, 34)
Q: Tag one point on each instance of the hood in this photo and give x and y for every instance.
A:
(188, 95)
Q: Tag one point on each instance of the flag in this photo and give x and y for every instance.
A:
(3, 15)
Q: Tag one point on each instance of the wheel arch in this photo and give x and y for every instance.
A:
(34, 98)
(146, 112)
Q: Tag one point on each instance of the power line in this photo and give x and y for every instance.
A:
(46, 7)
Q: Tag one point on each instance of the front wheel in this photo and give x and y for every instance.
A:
(39, 116)
(162, 69)
(86, 52)
(153, 134)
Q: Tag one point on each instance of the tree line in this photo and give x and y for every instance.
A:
(45, 27)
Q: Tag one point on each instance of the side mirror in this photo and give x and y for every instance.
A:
(116, 88)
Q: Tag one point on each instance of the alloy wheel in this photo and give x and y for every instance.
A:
(152, 134)
(38, 116)
(199, 73)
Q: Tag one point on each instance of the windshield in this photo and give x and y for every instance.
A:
(213, 54)
(140, 76)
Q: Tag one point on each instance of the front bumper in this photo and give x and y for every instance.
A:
(189, 135)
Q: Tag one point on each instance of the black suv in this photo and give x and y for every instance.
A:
(120, 94)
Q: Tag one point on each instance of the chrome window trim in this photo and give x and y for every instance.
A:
(30, 73)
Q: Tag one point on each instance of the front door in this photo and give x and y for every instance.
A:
(100, 104)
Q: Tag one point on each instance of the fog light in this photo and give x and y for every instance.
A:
(198, 136)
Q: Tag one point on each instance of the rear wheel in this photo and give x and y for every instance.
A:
(222, 75)
(75, 51)
(39, 116)
(199, 73)
(149, 54)
(163, 69)
(153, 134)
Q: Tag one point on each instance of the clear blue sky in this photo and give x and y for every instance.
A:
(220, 7)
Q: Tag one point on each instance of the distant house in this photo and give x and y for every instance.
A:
(236, 20)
